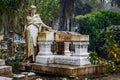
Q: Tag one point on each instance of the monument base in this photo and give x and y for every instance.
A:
(62, 59)
(45, 59)
(68, 70)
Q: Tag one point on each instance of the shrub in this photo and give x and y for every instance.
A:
(95, 23)
(12, 59)
(95, 59)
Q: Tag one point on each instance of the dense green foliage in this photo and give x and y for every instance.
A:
(13, 13)
(20, 47)
(12, 59)
(95, 59)
(98, 19)
(108, 51)
(47, 9)
(104, 39)
(108, 46)
(95, 23)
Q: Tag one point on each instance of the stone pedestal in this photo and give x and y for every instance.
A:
(81, 48)
(25, 76)
(45, 48)
(45, 55)
(79, 58)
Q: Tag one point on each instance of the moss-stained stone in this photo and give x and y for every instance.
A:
(61, 36)
(67, 70)
(81, 71)
(5, 70)
(45, 36)
(25, 76)
(2, 62)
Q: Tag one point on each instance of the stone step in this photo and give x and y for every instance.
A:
(25, 76)
(19, 77)
(39, 79)
(68, 70)
(2, 62)
(5, 70)
(5, 78)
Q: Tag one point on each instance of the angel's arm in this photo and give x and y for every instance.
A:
(43, 24)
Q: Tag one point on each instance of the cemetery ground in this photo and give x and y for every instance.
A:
(113, 75)
(13, 59)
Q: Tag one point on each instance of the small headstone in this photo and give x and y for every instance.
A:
(16, 38)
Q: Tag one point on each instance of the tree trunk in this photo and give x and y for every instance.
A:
(66, 12)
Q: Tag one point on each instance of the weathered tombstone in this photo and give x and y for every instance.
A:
(16, 38)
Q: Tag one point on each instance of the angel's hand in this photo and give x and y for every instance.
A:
(49, 28)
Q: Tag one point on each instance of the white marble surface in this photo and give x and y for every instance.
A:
(45, 48)
(44, 59)
(71, 60)
(62, 59)
(5, 78)
(81, 48)
(18, 75)
(1, 67)
(31, 74)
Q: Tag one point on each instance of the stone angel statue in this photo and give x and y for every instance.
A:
(33, 26)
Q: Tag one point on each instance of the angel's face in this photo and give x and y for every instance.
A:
(33, 10)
